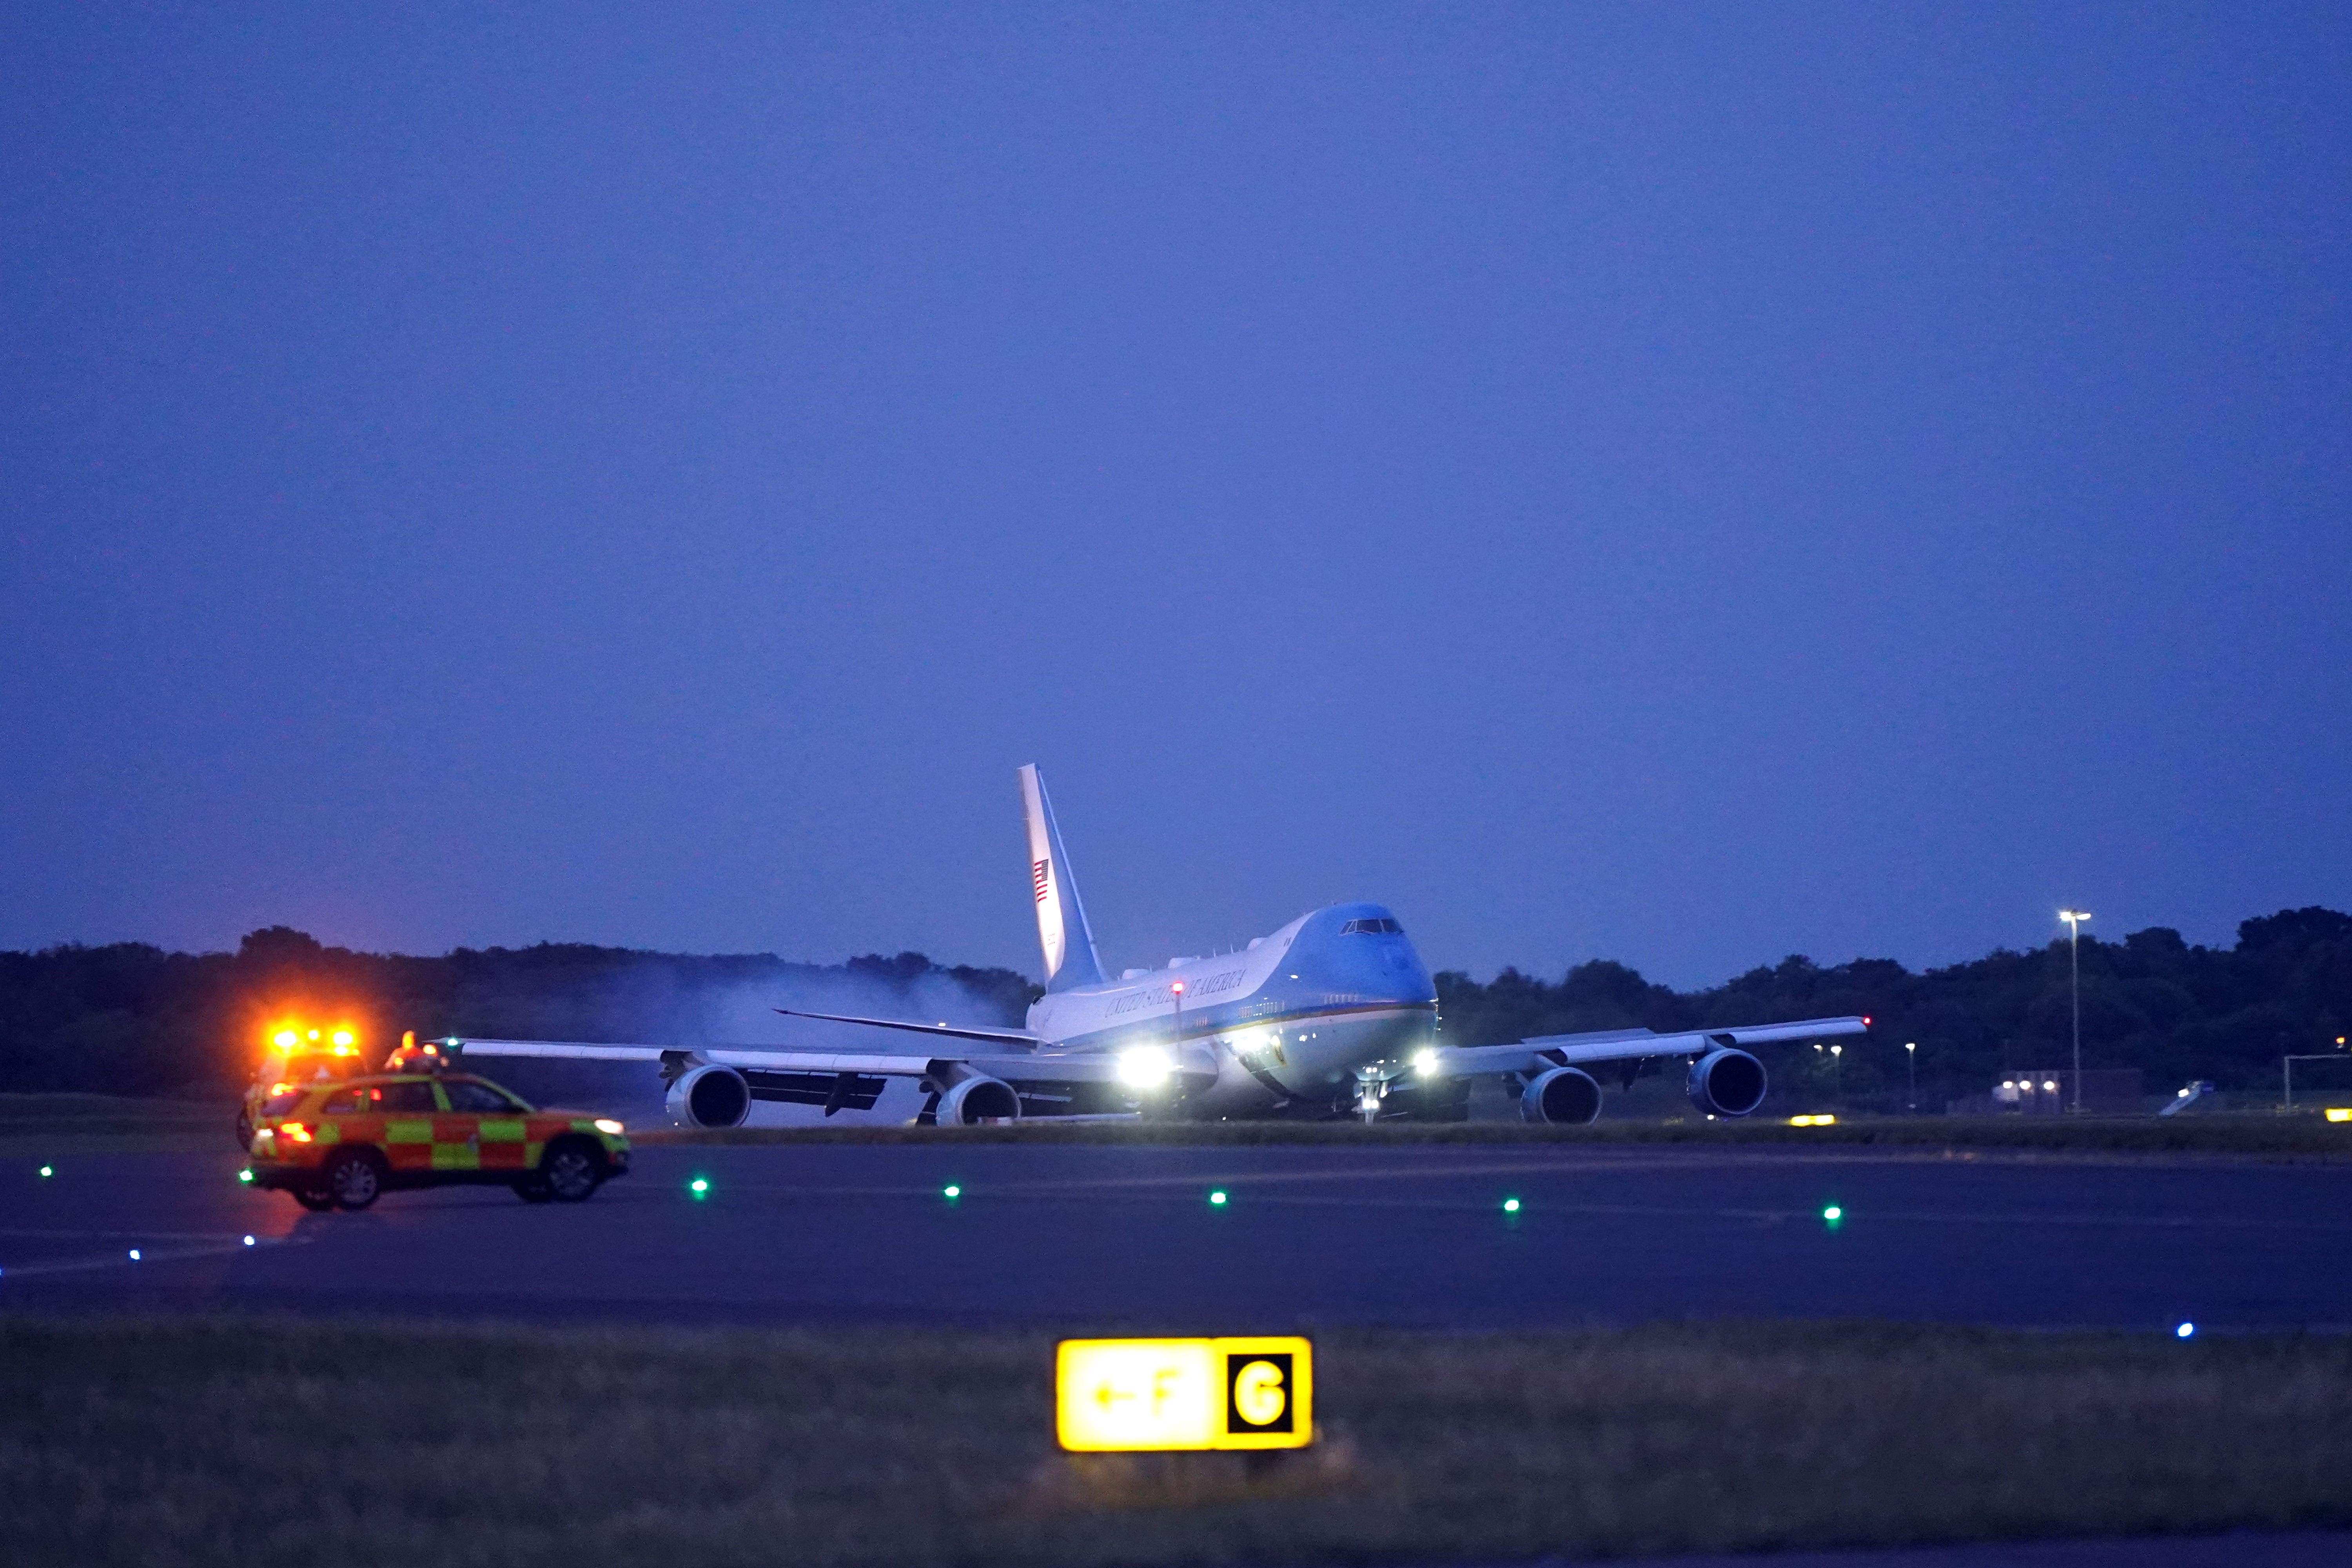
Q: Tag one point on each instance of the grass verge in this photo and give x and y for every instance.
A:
(76, 1124)
(211, 1441)
(2293, 1136)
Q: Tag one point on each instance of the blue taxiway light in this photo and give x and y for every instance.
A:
(134, 1255)
(248, 1241)
(2186, 1330)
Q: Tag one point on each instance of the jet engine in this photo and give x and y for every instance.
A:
(1726, 1082)
(1563, 1094)
(709, 1097)
(979, 1098)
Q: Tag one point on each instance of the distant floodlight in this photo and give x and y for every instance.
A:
(1424, 1062)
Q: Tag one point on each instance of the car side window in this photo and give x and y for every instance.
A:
(408, 1099)
(478, 1096)
(348, 1102)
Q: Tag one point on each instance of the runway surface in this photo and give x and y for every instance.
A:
(1109, 1237)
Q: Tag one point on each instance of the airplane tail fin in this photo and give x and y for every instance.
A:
(1070, 958)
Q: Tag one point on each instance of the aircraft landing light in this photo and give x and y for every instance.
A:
(1137, 1396)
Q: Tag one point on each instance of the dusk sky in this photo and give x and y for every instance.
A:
(1683, 484)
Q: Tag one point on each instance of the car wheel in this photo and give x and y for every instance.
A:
(316, 1201)
(354, 1180)
(534, 1190)
(572, 1171)
(245, 1132)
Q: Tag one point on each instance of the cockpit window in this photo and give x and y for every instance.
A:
(1372, 927)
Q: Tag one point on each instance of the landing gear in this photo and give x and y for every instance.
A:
(1371, 1089)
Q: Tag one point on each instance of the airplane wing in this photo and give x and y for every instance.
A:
(1022, 1038)
(1026, 1068)
(1623, 1045)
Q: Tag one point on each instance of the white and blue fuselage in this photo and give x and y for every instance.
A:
(1293, 1019)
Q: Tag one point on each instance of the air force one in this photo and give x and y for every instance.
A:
(1334, 1015)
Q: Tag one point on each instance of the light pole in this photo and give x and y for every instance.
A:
(1911, 1062)
(2075, 919)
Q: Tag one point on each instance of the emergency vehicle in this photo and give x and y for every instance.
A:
(339, 1145)
(296, 1059)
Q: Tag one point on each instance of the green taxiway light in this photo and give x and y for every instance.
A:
(699, 1187)
(1833, 1213)
(245, 1174)
(49, 1170)
(950, 1192)
(1510, 1206)
(1218, 1197)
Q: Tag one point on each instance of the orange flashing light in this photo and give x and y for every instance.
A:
(293, 1132)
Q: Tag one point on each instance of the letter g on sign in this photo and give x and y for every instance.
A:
(1260, 1393)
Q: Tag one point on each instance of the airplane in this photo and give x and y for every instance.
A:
(1334, 1015)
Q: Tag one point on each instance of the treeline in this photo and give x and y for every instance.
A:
(130, 1018)
(2151, 1001)
(134, 1019)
